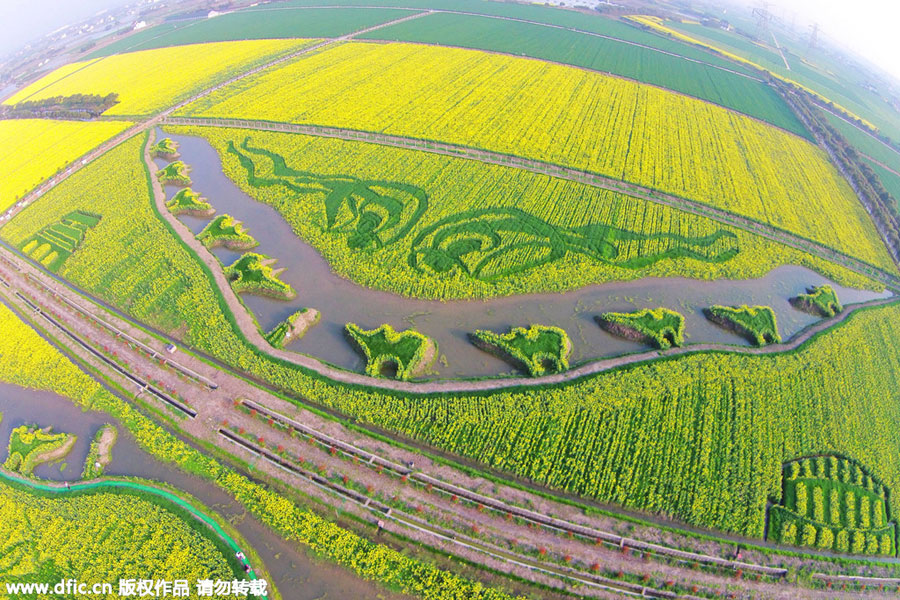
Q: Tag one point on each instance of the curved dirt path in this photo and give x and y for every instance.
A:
(694, 207)
(251, 332)
(880, 164)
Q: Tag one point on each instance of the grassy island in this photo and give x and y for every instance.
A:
(31, 446)
(389, 353)
(659, 327)
(100, 453)
(189, 202)
(538, 350)
(253, 273)
(293, 328)
(226, 231)
(176, 173)
(821, 300)
(756, 323)
(165, 148)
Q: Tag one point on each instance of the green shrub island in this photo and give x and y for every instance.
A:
(176, 173)
(99, 454)
(389, 353)
(820, 301)
(226, 231)
(165, 148)
(189, 202)
(53, 244)
(538, 350)
(253, 273)
(756, 323)
(833, 503)
(31, 446)
(659, 327)
(293, 328)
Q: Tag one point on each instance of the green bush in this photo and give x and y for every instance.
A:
(756, 323)
(253, 273)
(538, 350)
(819, 301)
(226, 231)
(176, 172)
(661, 327)
(408, 351)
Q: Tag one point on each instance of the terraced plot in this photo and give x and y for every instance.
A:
(733, 91)
(152, 80)
(425, 225)
(614, 127)
(33, 150)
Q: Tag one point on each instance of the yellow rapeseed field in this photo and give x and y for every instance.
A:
(32, 150)
(566, 115)
(151, 80)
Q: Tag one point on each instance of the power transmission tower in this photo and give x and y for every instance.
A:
(813, 36)
(763, 18)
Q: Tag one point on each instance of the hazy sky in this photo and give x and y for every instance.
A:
(24, 20)
(869, 27)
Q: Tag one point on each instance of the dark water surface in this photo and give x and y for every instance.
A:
(297, 575)
(341, 301)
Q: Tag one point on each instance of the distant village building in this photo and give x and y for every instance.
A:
(140, 25)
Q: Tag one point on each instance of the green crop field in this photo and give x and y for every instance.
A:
(253, 25)
(588, 22)
(733, 91)
(841, 82)
(865, 143)
(889, 179)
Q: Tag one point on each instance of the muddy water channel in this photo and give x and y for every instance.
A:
(297, 575)
(341, 301)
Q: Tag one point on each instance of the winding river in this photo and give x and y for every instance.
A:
(341, 301)
(297, 575)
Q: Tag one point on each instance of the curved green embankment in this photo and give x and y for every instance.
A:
(133, 485)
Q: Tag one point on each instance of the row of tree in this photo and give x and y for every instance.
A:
(76, 106)
(879, 202)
